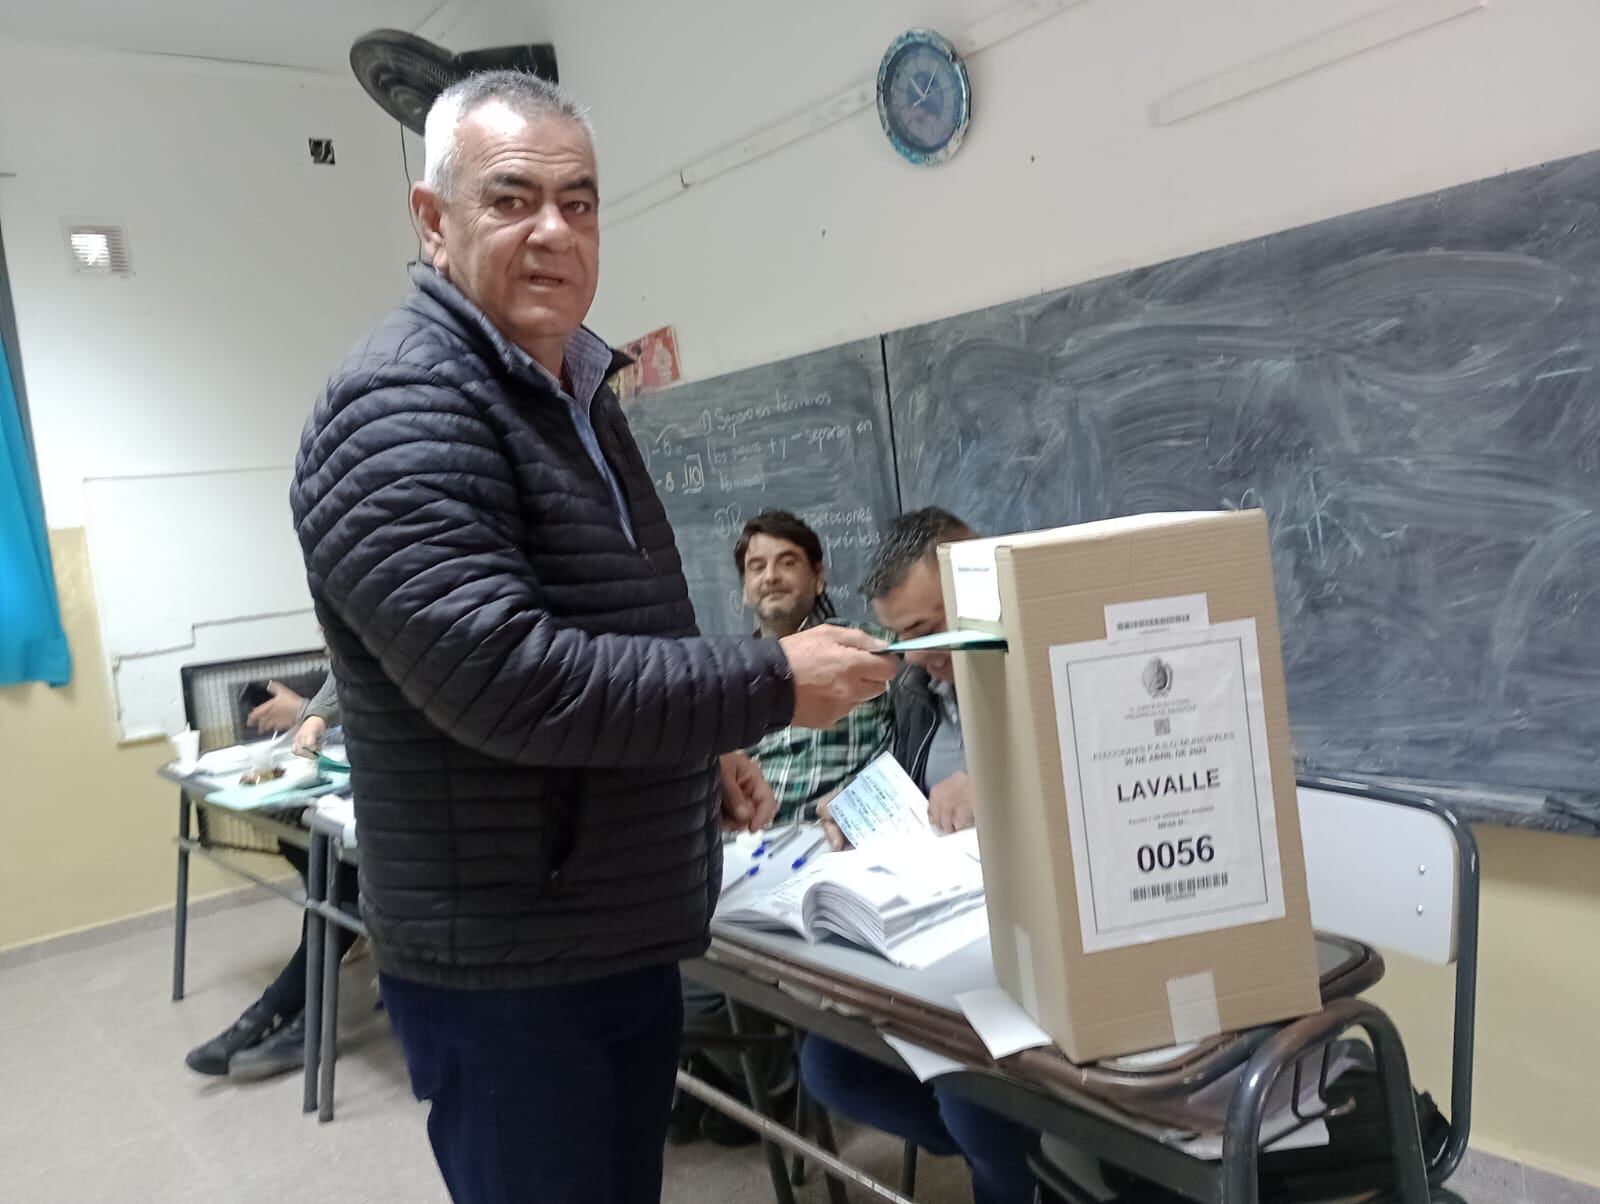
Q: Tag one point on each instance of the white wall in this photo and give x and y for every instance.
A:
(254, 269)
(1064, 176)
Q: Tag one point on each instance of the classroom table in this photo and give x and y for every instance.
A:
(194, 790)
(1126, 1111)
(326, 845)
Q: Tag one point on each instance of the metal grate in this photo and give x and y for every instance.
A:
(98, 248)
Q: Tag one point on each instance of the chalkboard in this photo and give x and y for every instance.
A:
(810, 435)
(1411, 394)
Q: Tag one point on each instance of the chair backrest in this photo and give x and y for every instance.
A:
(1400, 871)
(1381, 871)
(211, 692)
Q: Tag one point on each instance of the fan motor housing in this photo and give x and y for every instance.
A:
(405, 73)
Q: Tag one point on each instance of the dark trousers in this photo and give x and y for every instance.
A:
(995, 1149)
(558, 1095)
(286, 996)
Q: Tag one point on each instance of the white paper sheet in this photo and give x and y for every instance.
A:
(1001, 1024)
(923, 1063)
(881, 805)
(1169, 784)
(938, 941)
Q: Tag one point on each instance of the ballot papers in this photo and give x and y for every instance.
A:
(913, 901)
(881, 807)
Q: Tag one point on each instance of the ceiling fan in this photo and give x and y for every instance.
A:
(405, 73)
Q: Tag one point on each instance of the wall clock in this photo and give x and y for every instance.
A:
(924, 96)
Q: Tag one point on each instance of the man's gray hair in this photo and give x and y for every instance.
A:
(910, 539)
(522, 92)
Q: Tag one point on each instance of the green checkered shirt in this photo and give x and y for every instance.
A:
(802, 765)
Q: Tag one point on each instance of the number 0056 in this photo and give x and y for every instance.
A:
(1167, 855)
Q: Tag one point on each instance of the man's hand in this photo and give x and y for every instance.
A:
(950, 803)
(308, 739)
(831, 830)
(747, 801)
(835, 670)
(279, 712)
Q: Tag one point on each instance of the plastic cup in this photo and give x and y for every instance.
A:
(186, 747)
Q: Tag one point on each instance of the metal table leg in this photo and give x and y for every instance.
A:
(316, 938)
(330, 981)
(776, 1165)
(180, 921)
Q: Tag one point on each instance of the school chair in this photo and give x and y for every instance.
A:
(1397, 871)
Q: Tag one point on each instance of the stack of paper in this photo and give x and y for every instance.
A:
(913, 903)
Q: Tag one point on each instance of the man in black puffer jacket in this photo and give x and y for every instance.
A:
(533, 724)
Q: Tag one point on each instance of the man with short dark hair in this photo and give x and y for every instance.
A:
(541, 745)
(785, 583)
(907, 597)
(904, 589)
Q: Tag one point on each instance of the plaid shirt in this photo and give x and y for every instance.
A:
(802, 765)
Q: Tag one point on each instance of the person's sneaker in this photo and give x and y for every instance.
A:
(283, 1051)
(214, 1056)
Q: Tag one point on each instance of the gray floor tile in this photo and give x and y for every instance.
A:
(97, 1104)
(1485, 1179)
(135, 1169)
(1545, 1188)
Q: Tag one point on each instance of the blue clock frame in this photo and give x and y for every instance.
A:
(941, 139)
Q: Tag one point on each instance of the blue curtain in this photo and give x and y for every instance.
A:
(33, 647)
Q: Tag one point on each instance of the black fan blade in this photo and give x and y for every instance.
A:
(403, 73)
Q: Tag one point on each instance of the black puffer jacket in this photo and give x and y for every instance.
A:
(531, 728)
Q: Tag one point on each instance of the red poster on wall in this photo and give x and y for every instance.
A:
(655, 364)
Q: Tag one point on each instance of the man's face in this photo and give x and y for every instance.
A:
(780, 583)
(520, 233)
(916, 607)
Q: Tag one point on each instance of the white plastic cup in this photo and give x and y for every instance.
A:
(186, 746)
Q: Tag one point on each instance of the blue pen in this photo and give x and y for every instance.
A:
(806, 856)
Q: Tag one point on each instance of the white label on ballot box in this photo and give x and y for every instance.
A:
(977, 579)
(1169, 784)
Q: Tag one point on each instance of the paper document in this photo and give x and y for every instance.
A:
(959, 640)
(881, 805)
(913, 903)
(923, 1063)
(1000, 1022)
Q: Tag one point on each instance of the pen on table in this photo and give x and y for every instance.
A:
(811, 848)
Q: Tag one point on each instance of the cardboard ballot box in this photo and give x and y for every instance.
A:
(1134, 780)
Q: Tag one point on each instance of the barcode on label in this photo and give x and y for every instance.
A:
(1163, 727)
(1158, 621)
(1181, 889)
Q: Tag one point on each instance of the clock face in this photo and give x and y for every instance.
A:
(924, 97)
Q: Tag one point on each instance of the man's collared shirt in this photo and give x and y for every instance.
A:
(802, 765)
(947, 750)
(587, 359)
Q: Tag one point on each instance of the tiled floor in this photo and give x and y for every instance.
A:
(97, 1105)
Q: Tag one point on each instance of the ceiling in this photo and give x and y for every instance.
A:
(313, 34)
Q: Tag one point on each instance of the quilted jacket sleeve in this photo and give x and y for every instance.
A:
(405, 507)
